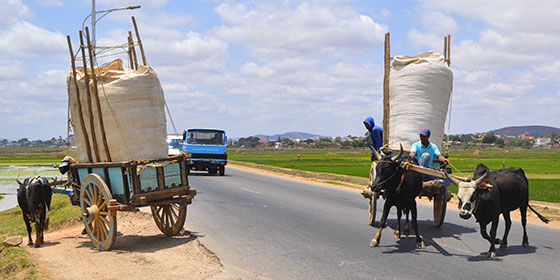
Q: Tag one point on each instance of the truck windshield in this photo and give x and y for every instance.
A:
(206, 137)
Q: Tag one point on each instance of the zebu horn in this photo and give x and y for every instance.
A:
(450, 178)
(18, 181)
(479, 181)
(375, 153)
(397, 157)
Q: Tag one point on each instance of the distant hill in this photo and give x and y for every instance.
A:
(290, 135)
(529, 130)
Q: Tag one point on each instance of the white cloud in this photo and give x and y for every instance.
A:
(306, 29)
(474, 55)
(110, 4)
(513, 33)
(12, 11)
(11, 69)
(24, 39)
(34, 106)
(539, 16)
(51, 3)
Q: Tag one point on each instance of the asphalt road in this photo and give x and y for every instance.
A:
(268, 227)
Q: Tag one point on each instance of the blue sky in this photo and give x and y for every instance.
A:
(267, 67)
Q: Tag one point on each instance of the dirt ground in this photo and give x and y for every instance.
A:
(141, 251)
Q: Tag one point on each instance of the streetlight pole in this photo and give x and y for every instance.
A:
(93, 13)
(94, 19)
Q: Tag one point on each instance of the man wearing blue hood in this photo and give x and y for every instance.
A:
(375, 133)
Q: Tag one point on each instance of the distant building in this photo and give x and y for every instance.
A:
(542, 141)
(523, 136)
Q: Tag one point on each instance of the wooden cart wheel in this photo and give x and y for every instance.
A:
(440, 207)
(372, 208)
(372, 201)
(170, 218)
(100, 225)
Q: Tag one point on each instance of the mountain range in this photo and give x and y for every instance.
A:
(290, 135)
(529, 130)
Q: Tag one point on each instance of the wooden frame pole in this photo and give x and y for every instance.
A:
(448, 49)
(90, 111)
(131, 62)
(96, 95)
(80, 112)
(131, 42)
(387, 70)
(139, 41)
(445, 48)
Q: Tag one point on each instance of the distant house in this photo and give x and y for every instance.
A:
(542, 141)
(523, 136)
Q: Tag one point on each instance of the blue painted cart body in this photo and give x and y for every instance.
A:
(141, 183)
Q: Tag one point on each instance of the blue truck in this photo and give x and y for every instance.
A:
(207, 149)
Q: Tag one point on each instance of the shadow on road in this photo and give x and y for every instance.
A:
(429, 233)
(511, 250)
(206, 174)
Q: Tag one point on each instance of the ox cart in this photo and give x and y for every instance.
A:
(399, 118)
(102, 189)
(120, 135)
(433, 190)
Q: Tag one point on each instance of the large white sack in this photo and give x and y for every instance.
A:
(132, 105)
(419, 92)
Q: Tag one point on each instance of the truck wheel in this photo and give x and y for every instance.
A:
(212, 170)
(222, 170)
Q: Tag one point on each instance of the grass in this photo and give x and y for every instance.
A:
(542, 167)
(32, 155)
(16, 262)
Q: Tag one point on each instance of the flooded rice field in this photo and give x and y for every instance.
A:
(9, 186)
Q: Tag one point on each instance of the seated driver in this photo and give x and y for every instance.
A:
(424, 151)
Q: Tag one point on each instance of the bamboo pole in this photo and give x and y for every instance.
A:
(445, 48)
(81, 117)
(387, 69)
(139, 41)
(90, 111)
(96, 95)
(131, 62)
(131, 42)
(448, 49)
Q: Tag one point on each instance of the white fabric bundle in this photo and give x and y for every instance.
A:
(419, 92)
(132, 105)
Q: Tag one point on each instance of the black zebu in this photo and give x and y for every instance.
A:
(401, 189)
(34, 198)
(491, 194)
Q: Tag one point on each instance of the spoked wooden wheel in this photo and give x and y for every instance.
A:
(100, 225)
(440, 207)
(170, 218)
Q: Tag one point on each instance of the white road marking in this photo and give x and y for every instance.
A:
(252, 191)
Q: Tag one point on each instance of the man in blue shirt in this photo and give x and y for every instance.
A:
(375, 133)
(424, 151)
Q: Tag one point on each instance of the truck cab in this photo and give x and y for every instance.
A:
(207, 149)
